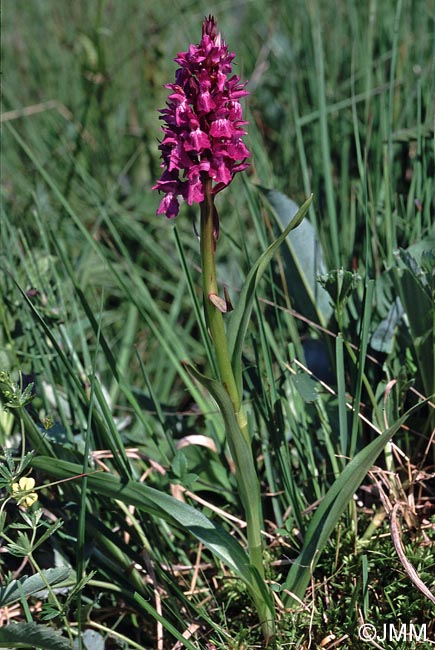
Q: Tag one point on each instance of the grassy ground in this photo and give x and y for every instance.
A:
(101, 307)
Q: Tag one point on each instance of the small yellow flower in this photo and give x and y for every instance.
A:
(22, 491)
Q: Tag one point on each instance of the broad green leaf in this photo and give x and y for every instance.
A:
(331, 508)
(238, 320)
(249, 488)
(306, 387)
(32, 635)
(156, 503)
(239, 447)
(383, 336)
(303, 259)
(415, 295)
(92, 640)
(11, 593)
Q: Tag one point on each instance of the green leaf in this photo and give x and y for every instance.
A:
(303, 259)
(32, 584)
(247, 478)
(50, 531)
(306, 387)
(21, 547)
(49, 612)
(239, 447)
(413, 289)
(331, 508)
(239, 318)
(158, 504)
(179, 464)
(92, 640)
(32, 635)
(383, 336)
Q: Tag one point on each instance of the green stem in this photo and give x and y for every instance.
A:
(50, 589)
(238, 435)
(213, 315)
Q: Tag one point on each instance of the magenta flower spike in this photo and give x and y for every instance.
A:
(203, 124)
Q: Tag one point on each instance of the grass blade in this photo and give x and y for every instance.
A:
(240, 317)
(332, 507)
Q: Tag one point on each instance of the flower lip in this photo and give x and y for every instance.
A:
(203, 123)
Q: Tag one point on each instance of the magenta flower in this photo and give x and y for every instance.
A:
(203, 124)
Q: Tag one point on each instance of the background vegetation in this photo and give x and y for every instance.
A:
(101, 307)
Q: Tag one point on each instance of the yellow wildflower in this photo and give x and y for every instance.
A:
(22, 491)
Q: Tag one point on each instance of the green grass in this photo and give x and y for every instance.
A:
(101, 308)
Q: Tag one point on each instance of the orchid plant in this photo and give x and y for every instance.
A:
(202, 150)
